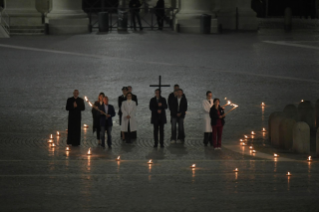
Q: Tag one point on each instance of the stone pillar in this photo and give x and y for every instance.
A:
(301, 138)
(286, 131)
(275, 131)
(23, 13)
(307, 113)
(272, 116)
(188, 17)
(67, 17)
(245, 19)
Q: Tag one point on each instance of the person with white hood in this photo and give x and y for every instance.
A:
(207, 104)
(129, 123)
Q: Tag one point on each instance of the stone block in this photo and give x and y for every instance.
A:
(307, 113)
(317, 113)
(291, 112)
(273, 115)
(301, 138)
(286, 132)
(275, 131)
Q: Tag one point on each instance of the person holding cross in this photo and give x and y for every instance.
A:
(158, 119)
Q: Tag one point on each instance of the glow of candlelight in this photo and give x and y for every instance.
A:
(246, 136)
(228, 102)
(51, 136)
(288, 174)
(243, 144)
(263, 103)
(251, 147)
(89, 152)
(252, 132)
(67, 148)
(225, 98)
(50, 141)
(90, 104)
(275, 155)
(118, 158)
(58, 133)
(85, 98)
(236, 170)
(150, 162)
(254, 151)
(309, 158)
(85, 126)
(241, 140)
(264, 129)
(53, 145)
(193, 166)
(302, 100)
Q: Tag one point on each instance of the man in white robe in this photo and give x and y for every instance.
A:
(129, 123)
(207, 104)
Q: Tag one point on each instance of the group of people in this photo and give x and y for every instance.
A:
(135, 5)
(103, 112)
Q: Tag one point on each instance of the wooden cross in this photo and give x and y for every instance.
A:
(160, 84)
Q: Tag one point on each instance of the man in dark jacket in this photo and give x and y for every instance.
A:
(178, 112)
(135, 12)
(106, 122)
(160, 13)
(158, 106)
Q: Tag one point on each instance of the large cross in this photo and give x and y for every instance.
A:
(160, 84)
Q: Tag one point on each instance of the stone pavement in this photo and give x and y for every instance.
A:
(39, 73)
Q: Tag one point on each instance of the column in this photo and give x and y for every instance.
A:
(67, 17)
(246, 19)
(23, 13)
(188, 18)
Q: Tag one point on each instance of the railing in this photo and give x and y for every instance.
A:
(5, 20)
(149, 17)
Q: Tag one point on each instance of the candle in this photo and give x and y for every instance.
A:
(118, 158)
(67, 148)
(309, 158)
(225, 98)
(264, 129)
(53, 145)
(193, 166)
(85, 126)
(252, 132)
(229, 102)
(85, 98)
(302, 100)
(236, 170)
(251, 147)
(288, 174)
(263, 104)
(89, 152)
(246, 136)
(241, 140)
(254, 151)
(57, 133)
(243, 144)
(51, 136)
(150, 162)
(275, 155)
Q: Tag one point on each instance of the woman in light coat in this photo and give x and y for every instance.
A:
(129, 123)
(207, 104)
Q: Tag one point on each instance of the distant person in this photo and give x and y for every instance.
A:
(158, 106)
(160, 13)
(172, 96)
(129, 123)
(207, 105)
(106, 122)
(178, 113)
(135, 13)
(134, 98)
(217, 122)
(121, 99)
(96, 117)
(75, 105)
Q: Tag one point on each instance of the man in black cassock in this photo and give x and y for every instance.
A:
(75, 105)
(158, 106)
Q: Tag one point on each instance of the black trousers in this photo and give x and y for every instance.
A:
(135, 14)
(160, 21)
(159, 126)
(98, 131)
(208, 138)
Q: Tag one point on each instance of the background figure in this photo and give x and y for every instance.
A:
(207, 104)
(135, 12)
(134, 98)
(119, 103)
(217, 121)
(96, 117)
(129, 123)
(160, 13)
(74, 105)
(178, 112)
(106, 122)
(158, 106)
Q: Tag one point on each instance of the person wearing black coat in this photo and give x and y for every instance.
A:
(160, 13)
(178, 112)
(158, 106)
(217, 116)
(106, 122)
(135, 13)
(75, 105)
(96, 117)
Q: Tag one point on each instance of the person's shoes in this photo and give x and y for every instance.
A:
(128, 142)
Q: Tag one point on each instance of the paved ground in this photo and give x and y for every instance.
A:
(38, 74)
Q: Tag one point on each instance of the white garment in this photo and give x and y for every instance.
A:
(207, 122)
(128, 108)
(179, 102)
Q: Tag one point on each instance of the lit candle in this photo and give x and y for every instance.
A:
(252, 132)
(288, 174)
(243, 144)
(67, 148)
(309, 158)
(263, 104)
(53, 145)
(50, 141)
(85, 98)
(264, 129)
(241, 140)
(251, 147)
(275, 155)
(150, 162)
(51, 136)
(57, 133)
(302, 100)
(118, 158)
(229, 102)
(246, 136)
(85, 126)
(225, 98)
(254, 151)
(236, 170)
(89, 152)
(193, 166)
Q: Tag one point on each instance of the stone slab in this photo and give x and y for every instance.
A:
(291, 111)
(307, 113)
(286, 133)
(272, 116)
(301, 138)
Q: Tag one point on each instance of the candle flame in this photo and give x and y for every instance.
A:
(51, 136)
(288, 174)
(86, 99)
(264, 129)
(309, 158)
(254, 151)
(225, 98)
(53, 145)
(193, 166)
(118, 158)
(236, 170)
(50, 141)
(263, 103)
(90, 104)
(89, 151)
(246, 136)
(251, 147)
(276, 155)
(241, 140)
(243, 144)
(252, 132)
(67, 148)
(229, 102)
(58, 133)
(302, 100)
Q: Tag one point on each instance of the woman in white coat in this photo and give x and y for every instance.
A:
(129, 123)
(207, 104)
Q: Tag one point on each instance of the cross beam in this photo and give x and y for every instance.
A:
(160, 84)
